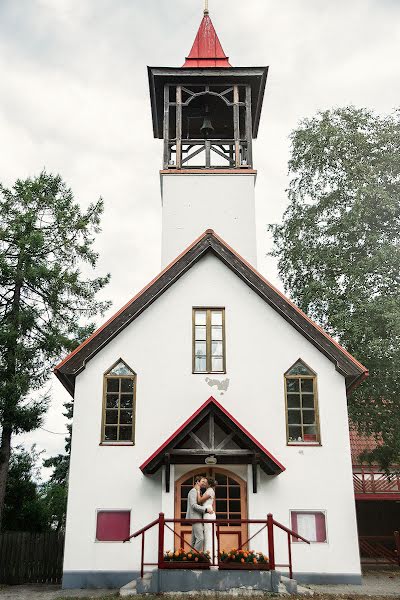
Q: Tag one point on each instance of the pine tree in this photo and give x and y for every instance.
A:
(45, 240)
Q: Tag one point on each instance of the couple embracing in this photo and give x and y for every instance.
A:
(201, 504)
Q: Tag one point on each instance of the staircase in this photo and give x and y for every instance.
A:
(235, 582)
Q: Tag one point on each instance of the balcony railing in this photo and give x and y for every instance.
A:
(269, 525)
(371, 479)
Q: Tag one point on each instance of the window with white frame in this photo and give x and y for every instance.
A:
(311, 525)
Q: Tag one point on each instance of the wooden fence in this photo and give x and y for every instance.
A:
(31, 557)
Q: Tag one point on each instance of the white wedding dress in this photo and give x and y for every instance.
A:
(208, 528)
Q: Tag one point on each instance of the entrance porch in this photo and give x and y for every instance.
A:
(190, 570)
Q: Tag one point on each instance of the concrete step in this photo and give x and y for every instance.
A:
(292, 587)
(129, 589)
(211, 582)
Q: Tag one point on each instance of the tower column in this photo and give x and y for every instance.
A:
(195, 201)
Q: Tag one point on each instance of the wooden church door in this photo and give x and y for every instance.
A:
(231, 503)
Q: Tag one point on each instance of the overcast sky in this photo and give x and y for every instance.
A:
(74, 100)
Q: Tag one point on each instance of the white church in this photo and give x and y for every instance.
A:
(209, 369)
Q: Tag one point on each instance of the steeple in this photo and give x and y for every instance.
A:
(207, 112)
(206, 50)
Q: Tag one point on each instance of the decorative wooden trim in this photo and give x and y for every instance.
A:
(262, 452)
(248, 126)
(158, 77)
(178, 126)
(236, 127)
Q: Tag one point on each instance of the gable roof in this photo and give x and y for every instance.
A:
(344, 362)
(206, 50)
(266, 460)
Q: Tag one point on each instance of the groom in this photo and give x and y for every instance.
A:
(194, 511)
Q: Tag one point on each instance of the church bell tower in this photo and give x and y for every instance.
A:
(207, 113)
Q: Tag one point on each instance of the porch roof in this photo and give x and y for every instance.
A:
(212, 431)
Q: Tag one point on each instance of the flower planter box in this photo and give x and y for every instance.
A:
(226, 565)
(184, 564)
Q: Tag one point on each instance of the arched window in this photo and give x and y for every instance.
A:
(119, 404)
(302, 423)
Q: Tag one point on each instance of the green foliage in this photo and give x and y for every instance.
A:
(338, 251)
(25, 507)
(45, 241)
(56, 490)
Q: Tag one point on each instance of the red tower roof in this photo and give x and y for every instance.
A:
(206, 50)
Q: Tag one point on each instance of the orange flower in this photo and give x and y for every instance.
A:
(189, 556)
(177, 553)
(184, 558)
(255, 561)
(242, 560)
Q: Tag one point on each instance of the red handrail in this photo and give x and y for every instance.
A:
(290, 532)
(149, 526)
(268, 523)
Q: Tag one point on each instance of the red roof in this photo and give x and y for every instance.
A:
(219, 406)
(359, 444)
(206, 50)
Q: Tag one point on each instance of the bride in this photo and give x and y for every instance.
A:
(208, 500)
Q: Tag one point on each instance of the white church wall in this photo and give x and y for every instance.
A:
(260, 347)
(193, 203)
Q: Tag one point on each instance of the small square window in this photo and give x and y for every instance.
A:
(113, 526)
(311, 525)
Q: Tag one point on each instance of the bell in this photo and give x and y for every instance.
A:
(207, 128)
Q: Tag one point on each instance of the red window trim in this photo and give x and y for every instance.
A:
(321, 529)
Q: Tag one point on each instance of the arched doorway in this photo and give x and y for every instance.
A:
(231, 503)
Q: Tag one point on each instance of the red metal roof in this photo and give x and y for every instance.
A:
(206, 50)
(212, 400)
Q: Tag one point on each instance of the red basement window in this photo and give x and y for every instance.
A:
(309, 524)
(113, 525)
